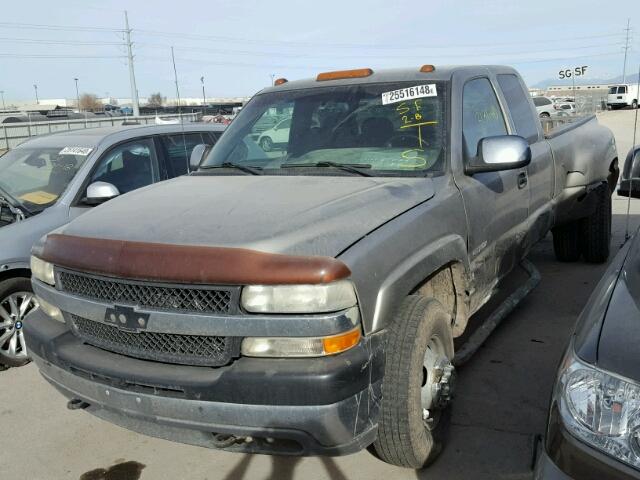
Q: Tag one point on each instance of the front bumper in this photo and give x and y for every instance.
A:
(316, 406)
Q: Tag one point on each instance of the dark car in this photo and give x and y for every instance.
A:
(631, 174)
(593, 429)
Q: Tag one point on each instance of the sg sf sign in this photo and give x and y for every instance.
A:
(572, 72)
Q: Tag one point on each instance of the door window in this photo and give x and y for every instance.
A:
(128, 166)
(481, 115)
(519, 106)
(178, 149)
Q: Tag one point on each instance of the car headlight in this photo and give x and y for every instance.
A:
(321, 298)
(601, 409)
(42, 270)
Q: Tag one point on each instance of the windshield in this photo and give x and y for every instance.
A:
(36, 177)
(386, 128)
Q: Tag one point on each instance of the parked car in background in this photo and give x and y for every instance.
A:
(593, 427)
(343, 268)
(544, 107)
(630, 179)
(621, 96)
(566, 108)
(49, 180)
(275, 137)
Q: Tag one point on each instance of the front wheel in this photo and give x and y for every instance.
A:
(545, 115)
(418, 384)
(16, 302)
(634, 104)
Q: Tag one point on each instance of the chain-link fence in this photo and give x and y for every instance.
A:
(13, 134)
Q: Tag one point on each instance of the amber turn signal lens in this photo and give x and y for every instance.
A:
(280, 81)
(357, 73)
(342, 342)
(427, 68)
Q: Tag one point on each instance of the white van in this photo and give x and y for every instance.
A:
(621, 96)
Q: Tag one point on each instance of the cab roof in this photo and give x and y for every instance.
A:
(442, 73)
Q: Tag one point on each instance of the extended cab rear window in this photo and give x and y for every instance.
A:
(394, 128)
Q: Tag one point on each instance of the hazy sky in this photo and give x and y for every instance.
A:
(237, 44)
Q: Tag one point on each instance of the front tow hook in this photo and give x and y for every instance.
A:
(77, 404)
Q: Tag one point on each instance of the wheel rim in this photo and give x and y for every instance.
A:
(13, 310)
(438, 375)
(266, 144)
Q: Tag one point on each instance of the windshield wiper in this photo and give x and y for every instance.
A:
(347, 167)
(244, 168)
(14, 205)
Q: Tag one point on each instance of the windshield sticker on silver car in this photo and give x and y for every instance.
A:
(409, 93)
(82, 151)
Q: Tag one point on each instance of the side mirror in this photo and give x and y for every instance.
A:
(197, 155)
(100, 192)
(630, 183)
(502, 152)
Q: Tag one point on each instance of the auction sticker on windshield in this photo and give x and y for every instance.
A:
(409, 93)
(82, 151)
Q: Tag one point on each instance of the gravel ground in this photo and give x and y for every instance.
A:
(500, 407)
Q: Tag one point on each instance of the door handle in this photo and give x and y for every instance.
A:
(522, 180)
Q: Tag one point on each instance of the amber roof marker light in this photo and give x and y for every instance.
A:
(341, 74)
(427, 68)
(280, 81)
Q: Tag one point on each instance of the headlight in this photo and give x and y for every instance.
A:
(300, 347)
(42, 270)
(601, 409)
(328, 297)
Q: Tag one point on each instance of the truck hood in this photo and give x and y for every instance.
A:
(300, 215)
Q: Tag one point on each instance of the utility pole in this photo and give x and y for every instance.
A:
(626, 50)
(175, 75)
(132, 75)
(77, 95)
(35, 87)
(204, 97)
(4, 107)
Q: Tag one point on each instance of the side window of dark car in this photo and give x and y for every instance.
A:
(128, 166)
(178, 148)
(519, 106)
(481, 115)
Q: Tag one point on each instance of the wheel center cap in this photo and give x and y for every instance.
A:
(18, 325)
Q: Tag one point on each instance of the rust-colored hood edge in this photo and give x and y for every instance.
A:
(188, 264)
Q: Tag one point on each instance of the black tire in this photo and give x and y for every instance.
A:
(403, 437)
(266, 144)
(566, 242)
(545, 115)
(7, 288)
(596, 229)
(634, 104)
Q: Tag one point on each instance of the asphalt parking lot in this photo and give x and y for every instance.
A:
(499, 412)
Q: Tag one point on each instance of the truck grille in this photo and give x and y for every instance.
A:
(160, 347)
(151, 295)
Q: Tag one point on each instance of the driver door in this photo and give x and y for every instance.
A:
(496, 203)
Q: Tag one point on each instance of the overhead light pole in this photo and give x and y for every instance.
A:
(4, 107)
(77, 95)
(35, 87)
(273, 76)
(204, 97)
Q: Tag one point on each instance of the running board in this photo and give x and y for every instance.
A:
(478, 337)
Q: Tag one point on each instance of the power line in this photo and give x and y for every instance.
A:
(72, 28)
(373, 56)
(21, 55)
(385, 46)
(39, 41)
